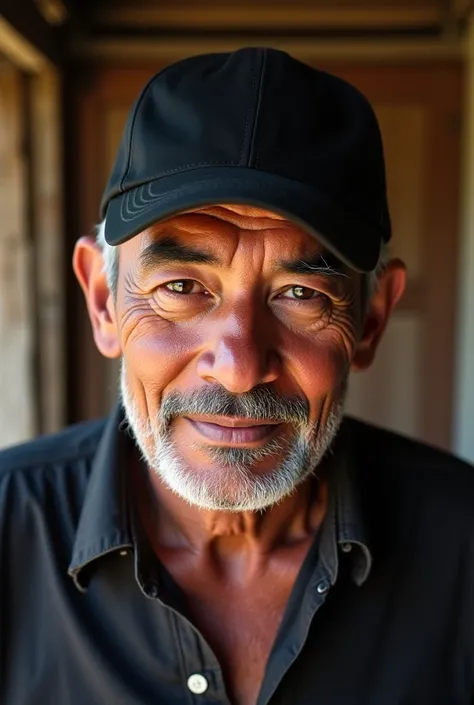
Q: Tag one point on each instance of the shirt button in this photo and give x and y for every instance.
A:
(346, 547)
(323, 587)
(197, 684)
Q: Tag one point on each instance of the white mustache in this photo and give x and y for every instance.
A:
(260, 404)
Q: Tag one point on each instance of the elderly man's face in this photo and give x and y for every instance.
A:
(237, 332)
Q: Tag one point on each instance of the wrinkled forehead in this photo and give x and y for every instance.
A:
(244, 211)
(237, 217)
(219, 226)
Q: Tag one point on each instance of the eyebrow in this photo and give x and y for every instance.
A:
(322, 262)
(170, 250)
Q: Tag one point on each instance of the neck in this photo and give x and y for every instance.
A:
(172, 523)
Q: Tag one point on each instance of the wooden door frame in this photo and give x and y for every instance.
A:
(46, 208)
(463, 417)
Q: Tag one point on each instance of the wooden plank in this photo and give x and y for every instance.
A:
(17, 392)
(49, 255)
(441, 253)
(15, 47)
(461, 9)
(24, 18)
(141, 50)
(86, 365)
(334, 4)
(463, 426)
(54, 12)
(251, 16)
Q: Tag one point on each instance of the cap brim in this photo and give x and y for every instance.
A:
(356, 242)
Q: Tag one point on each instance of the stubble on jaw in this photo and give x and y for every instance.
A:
(233, 485)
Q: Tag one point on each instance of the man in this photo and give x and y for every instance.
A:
(225, 536)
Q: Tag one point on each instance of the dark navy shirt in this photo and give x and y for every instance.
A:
(381, 613)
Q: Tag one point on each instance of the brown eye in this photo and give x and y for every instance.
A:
(301, 293)
(182, 286)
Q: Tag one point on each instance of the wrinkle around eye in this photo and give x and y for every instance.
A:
(342, 327)
(138, 318)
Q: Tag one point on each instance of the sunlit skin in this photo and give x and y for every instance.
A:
(238, 319)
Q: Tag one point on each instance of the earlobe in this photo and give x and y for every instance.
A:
(87, 265)
(391, 286)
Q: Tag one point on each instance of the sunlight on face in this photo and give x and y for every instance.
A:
(229, 315)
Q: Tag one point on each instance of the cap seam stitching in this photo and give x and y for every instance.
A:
(257, 107)
(247, 119)
(132, 129)
(257, 112)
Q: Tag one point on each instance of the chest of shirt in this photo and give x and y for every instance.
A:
(385, 643)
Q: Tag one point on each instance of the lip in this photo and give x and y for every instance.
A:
(231, 431)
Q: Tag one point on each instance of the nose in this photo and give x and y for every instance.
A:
(241, 354)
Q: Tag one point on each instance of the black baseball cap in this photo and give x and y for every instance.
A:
(253, 127)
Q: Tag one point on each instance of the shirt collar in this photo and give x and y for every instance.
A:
(344, 530)
(103, 524)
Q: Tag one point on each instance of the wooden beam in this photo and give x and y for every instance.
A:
(25, 19)
(136, 50)
(39, 186)
(54, 11)
(18, 50)
(464, 398)
(461, 9)
(17, 388)
(249, 16)
(47, 194)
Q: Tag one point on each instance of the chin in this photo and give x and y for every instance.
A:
(233, 481)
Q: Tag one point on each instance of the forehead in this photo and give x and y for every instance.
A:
(241, 208)
(223, 217)
(239, 212)
(247, 240)
(220, 225)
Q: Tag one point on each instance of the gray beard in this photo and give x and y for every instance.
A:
(232, 485)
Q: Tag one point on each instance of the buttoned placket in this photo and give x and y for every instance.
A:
(200, 672)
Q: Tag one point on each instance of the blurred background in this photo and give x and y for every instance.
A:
(69, 72)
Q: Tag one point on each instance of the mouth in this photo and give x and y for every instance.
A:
(234, 431)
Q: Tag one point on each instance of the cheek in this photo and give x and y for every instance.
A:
(156, 353)
(160, 355)
(320, 366)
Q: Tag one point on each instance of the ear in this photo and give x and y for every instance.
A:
(390, 288)
(87, 264)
